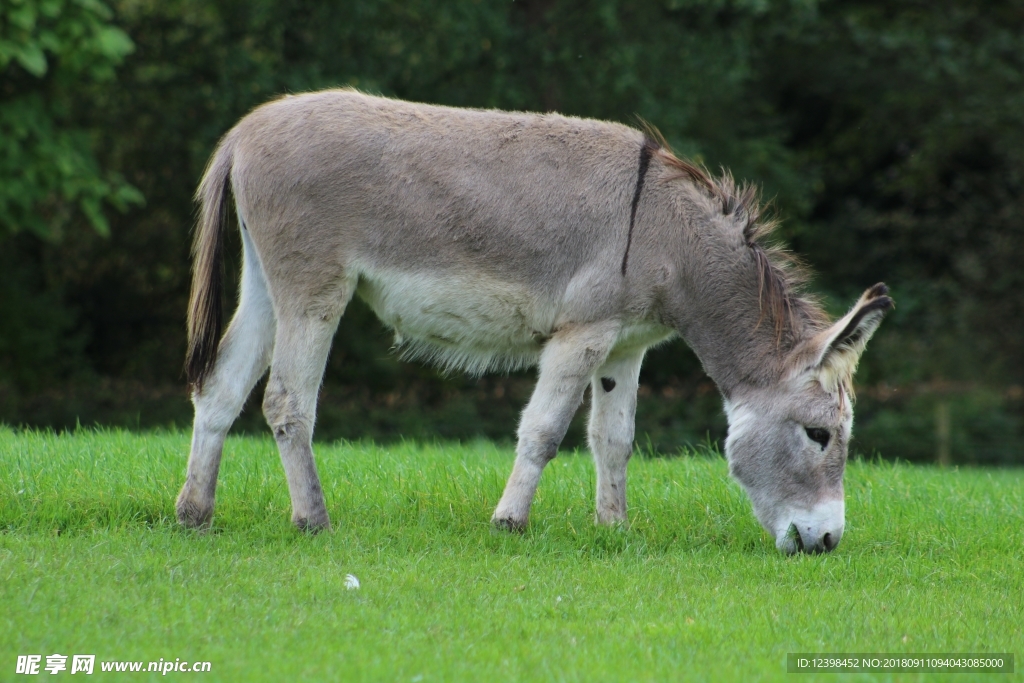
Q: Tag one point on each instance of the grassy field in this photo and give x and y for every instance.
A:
(92, 562)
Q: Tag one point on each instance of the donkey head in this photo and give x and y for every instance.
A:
(787, 443)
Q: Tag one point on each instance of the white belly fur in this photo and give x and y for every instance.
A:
(470, 322)
(460, 322)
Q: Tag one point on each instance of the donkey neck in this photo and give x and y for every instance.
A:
(733, 354)
(720, 311)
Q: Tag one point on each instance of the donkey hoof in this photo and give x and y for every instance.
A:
(312, 524)
(508, 524)
(192, 515)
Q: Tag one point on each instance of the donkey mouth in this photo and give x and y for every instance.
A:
(794, 542)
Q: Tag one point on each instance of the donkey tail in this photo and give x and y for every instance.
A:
(205, 306)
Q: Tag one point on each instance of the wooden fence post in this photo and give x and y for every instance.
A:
(943, 456)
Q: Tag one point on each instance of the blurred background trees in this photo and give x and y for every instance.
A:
(889, 134)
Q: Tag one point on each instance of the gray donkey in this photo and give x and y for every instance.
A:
(490, 240)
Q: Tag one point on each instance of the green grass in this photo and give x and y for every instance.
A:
(92, 562)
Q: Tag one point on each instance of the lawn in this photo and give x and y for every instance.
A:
(92, 562)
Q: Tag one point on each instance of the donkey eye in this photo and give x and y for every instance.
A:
(818, 436)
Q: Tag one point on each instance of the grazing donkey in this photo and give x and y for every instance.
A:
(492, 240)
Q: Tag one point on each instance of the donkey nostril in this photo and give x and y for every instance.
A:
(829, 543)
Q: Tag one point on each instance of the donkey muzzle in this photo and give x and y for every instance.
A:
(814, 531)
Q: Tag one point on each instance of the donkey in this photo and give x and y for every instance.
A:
(490, 240)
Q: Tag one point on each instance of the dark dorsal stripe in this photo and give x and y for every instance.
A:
(646, 150)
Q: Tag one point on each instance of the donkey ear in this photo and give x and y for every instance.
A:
(839, 347)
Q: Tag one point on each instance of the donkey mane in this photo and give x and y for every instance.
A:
(781, 274)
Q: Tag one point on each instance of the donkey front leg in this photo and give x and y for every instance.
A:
(289, 405)
(612, 422)
(566, 364)
(242, 358)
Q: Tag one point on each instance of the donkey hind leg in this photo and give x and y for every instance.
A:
(566, 364)
(612, 423)
(242, 358)
(301, 348)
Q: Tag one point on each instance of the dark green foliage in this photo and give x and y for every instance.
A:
(910, 117)
(51, 50)
(888, 133)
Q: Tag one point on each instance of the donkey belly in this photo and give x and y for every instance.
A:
(461, 321)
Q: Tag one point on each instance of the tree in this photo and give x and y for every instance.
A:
(48, 168)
